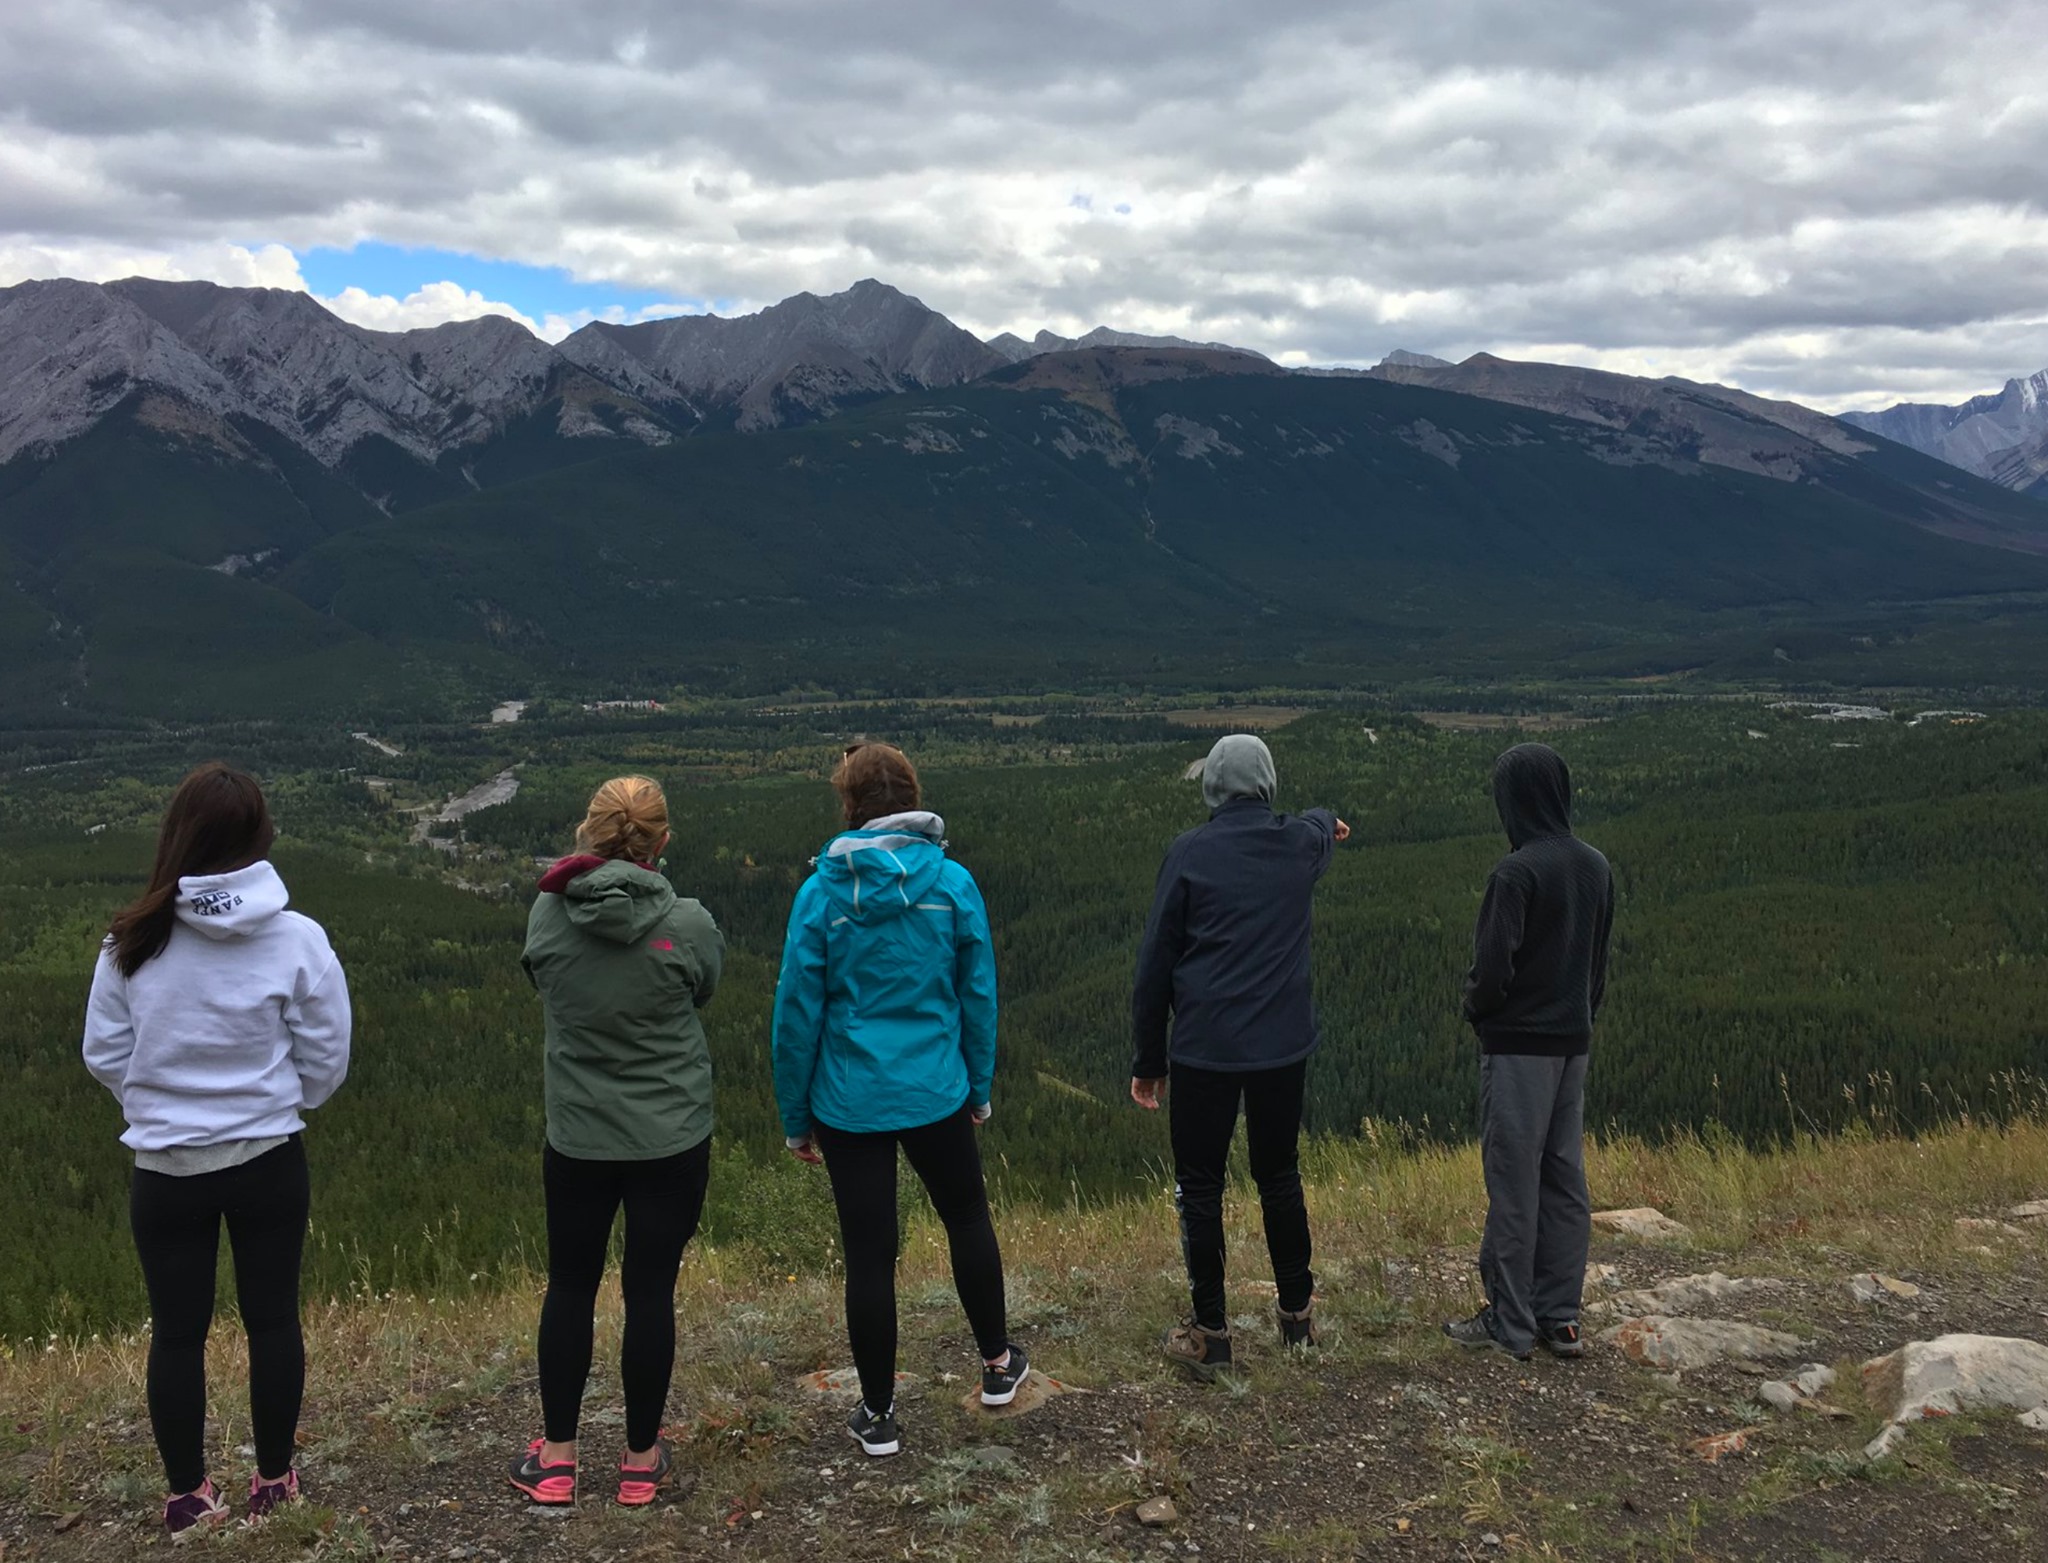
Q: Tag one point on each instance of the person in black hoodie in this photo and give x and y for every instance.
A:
(1539, 973)
(1226, 952)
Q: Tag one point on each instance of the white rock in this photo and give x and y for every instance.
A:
(1816, 1377)
(1677, 1345)
(1690, 1293)
(2032, 1210)
(1885, 1442)
(2037, 1419)
(1779, 1395)
(1641, 1222)
(1958, 1373)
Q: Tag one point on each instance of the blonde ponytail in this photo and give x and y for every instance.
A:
(627, 818)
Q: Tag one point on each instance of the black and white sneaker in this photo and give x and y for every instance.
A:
(1478, 1333)
(877, 1433)
(999, 1386)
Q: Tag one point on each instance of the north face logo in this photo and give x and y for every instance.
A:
(215, 903)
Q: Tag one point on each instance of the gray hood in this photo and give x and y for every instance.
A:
(1240, 766)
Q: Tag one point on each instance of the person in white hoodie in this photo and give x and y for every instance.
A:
(217, 1018)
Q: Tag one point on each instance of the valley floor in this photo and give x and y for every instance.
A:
(1384, 1443)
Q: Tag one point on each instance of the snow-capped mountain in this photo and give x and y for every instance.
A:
(2003, 436)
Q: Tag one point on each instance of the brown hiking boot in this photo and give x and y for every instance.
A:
(1203, 1352)
(1299, 1329)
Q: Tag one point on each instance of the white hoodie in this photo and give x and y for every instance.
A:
(238, 1026)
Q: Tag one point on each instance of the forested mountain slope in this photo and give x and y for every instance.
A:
(1075, 519)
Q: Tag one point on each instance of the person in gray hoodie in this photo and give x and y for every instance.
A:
(1538, 978)
(1226, 956)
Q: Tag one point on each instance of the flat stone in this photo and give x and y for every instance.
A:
(1602, 1275)
(1815, 1377)
(1958, 1373)
(1641, 1222)
(1034, 1392)
(1870, 1287)
(1677, 1345)
(1984, 1226)
(2037, 1419)
(1690, 1293)
(837, 1383)
(1157, 1511)
(1779, 1396)
(2032, 1210)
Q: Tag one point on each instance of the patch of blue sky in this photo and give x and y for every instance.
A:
(536, 291)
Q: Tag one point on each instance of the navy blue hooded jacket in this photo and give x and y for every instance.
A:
(1226, 948)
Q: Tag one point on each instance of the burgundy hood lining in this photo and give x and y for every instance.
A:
(575, 866)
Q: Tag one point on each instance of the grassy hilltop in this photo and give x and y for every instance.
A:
(1385, 1443)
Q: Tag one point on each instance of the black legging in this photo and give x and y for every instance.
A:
(947, 1161)
(664, 1200)
(177, 1236)
(1202, 1105)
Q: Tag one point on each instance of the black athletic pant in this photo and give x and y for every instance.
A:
(1202, 1106)
(947, 1161)
(664, 1200)
(177, 1225)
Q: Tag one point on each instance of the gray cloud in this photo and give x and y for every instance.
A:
(1840, 201)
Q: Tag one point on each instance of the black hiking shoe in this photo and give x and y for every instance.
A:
(1203, 1352)
(1477, 1334)
(999, 1386)
(1562, 1340)
(877, 1434)
(1299, 1329)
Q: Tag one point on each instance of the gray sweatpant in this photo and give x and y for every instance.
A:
(1538, 1217)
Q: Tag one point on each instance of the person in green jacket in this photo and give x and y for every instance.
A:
(624, 966)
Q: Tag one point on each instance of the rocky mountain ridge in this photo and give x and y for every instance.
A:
(202, 358)
(2002, 436)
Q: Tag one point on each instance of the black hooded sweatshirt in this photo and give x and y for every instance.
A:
(1539, 956)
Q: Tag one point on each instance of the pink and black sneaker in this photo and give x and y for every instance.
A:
(552, 1486)
(266, 1498)
(186, 1515)
(639, 1483)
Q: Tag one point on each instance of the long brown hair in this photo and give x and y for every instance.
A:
(217, 822)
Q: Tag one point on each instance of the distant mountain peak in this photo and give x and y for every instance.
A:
(1403, 358)
(2002, 436)
(1015, 349)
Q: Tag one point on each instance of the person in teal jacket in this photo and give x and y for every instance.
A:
(885, 1035)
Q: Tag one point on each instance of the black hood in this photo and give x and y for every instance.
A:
(1532, 788)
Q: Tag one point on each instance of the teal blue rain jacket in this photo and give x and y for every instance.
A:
(885, 1014)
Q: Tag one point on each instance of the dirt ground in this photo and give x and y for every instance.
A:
(1385, 1443)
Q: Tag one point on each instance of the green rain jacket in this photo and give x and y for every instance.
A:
(623, 965)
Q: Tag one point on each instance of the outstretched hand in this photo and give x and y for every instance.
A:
(1342, 832)
(1146, 1092)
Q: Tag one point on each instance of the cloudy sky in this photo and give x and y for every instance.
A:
(1842, 202)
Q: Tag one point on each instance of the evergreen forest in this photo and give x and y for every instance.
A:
(1823, 924)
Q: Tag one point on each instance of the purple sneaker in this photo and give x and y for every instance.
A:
(189, 1513)
(266, 1498)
